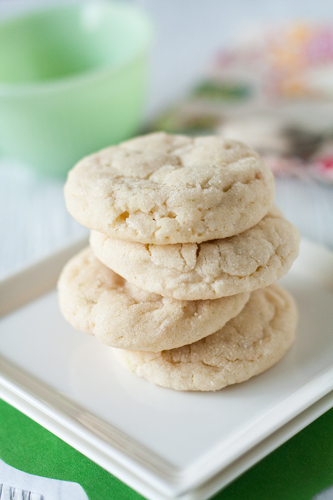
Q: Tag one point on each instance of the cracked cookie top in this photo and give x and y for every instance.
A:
(98, 301)
(248, 344)
(164, 189)
(191, 271)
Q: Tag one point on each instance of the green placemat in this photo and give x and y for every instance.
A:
(297, 470)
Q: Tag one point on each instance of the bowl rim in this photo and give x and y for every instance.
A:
(89, 75)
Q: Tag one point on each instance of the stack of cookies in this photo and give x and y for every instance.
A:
(185, 249)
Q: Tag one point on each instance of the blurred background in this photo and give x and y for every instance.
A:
(256, 70)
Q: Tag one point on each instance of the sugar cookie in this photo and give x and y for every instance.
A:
(253, 259)
(247, 345)
(96, 300)
(167, 189)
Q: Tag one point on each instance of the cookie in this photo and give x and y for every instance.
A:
(166, 189)
(209, 270)
(247, 345)
(96, 300)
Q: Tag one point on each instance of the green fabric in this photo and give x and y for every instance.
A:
(29, 447)
(296, 471)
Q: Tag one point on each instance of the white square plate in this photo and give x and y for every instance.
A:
(163, 443)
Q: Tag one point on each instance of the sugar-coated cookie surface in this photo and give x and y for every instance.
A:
(164, 189)
(247, 345)
(189, 271)
(96, 300)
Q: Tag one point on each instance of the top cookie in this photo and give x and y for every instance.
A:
(164, 189)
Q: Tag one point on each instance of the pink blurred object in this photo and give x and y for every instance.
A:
(274, 91)
(289, 61)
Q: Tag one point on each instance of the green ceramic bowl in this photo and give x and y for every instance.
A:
(72, 80)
